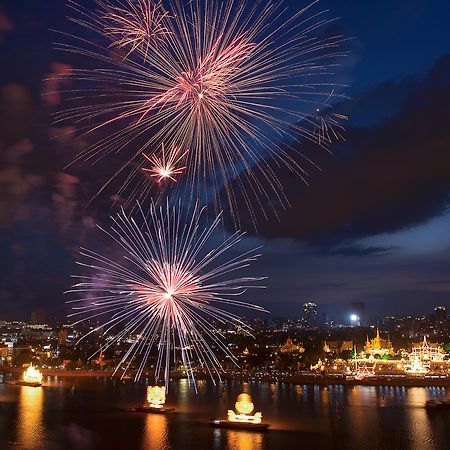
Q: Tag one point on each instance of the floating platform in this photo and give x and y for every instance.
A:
(25, 383)
(149, 409)
(219, 423)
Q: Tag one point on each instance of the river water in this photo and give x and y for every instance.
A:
(85, 414)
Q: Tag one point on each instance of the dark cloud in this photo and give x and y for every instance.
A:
(385, 177)
(355, 251)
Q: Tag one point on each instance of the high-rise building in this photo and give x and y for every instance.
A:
(38, 316)
(309, 315)
(441, 313)
(62, 336)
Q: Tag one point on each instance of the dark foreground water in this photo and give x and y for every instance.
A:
(84, 414)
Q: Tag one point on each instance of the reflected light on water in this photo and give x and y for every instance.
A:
(359, 415)
(156, 433)
(420, 432)
(30, 429)
(243, 440)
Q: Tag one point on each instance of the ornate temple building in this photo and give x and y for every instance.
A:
(290, 347)
(426, 352)
(378, 346)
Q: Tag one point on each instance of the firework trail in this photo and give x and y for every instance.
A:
(235, 83)
(166, 292)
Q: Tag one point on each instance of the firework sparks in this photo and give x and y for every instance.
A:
(328, 124)
(167, 293)
(165, 166)
(136, 24)
(236, 83)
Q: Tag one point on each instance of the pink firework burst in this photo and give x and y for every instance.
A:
(135, 24)
(167, 290)
(237, 82)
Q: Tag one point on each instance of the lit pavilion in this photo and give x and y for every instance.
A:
(378, 346)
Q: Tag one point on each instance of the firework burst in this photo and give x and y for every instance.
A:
(135, 25)
(167, 165)
(235, 83)
(166, 292)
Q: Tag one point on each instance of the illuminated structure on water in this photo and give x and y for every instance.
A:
(244, 407)
(32, 376)
(156, 396)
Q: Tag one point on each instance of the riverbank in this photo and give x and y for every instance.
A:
(302, 378)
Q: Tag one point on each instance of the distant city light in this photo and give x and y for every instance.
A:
(353, 317)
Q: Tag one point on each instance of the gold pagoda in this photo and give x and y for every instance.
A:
(290, 347)
(378, 346)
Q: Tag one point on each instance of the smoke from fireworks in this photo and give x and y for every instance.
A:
(226, 80)
(166, 292)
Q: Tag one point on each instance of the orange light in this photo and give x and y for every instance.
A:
(156, 396)
(32, 375)
(244, 407)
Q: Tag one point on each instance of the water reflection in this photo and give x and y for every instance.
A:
(243, 440)
(420, 432)
(156, 432)
(30, 428)
(337, 417)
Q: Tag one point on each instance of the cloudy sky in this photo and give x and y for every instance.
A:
(373, 225)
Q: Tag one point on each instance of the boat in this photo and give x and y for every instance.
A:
(27, 383)
(23, 383)
(243, 419)
(31, 377)
(223, 423)
(156, 397)
(150, 409)
(438, 404)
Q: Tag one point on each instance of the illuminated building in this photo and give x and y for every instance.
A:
(290, 347)
(62, 337)
(378, 346)
(309, 315)
(426, 352)
(441, 313)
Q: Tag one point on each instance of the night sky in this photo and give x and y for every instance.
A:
(373, 225)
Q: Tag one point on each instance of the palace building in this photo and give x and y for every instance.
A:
(426, 352)
(378, 346)
(290, 347)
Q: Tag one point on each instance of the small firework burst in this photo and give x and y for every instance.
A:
(167, 165)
